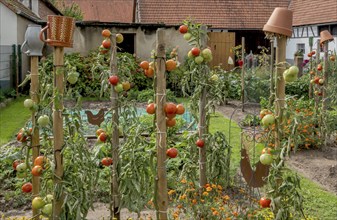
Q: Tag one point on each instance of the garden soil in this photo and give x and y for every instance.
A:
(317, 165)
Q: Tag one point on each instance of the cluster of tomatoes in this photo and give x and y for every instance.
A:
(106, 43)
(41, 163)
(148, 68)
(199, 56)
(102, 138)
(119, 87)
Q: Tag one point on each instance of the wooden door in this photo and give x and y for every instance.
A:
(221, 44)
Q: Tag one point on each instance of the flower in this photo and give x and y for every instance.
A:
(219, 187)
(208, 189)
(226, 197)
(182, 197)
(171, 192)
(183, 181)
(205, 193)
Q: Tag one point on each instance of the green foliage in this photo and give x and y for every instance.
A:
(299, 88)
(72, 10)
(7, 93)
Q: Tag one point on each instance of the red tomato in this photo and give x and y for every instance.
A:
(264, 202)
(151, 108)
(27, 187)
(149, 72)
(319, 67)
(106, 33)
(200, 143)
(21, 138)
(16, 163)
(106, 43)
(99, 131)
(102, 137)
(106, 161)
(37, 170)
(180, 109)
(309, 54)
(170, 108)
(113, 80)
(183, 29)
(171, 122)
(240, 62)
(41, 161)
(172, 152)
(144, 65)
(170, 116)
(195, 51)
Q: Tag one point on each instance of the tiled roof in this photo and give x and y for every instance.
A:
(313, 11)
(18, 8)
(230, 14)
(106, 10)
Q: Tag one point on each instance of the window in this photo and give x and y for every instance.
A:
(300, 48)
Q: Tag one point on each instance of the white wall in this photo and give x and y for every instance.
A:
(306, 33)
(8, 26)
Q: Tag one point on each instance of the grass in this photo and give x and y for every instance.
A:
(12, 118)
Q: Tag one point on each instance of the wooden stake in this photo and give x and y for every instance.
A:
(243, 74)
(58, 129)
(114, 205)
(161, 184)
(272, 84)
(34, 89)
(324, 90)
(310, 67)
(318, 52)
(202, 124)
(280, 88)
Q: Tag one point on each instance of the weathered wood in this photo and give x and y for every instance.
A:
(310, 67)
(58, 128)
(34, 89)
(202, 123)
(324, 90)
(280, 88)
(243, 74)
(316, 87)
(272, 84)
(115, 200)
(161, 180)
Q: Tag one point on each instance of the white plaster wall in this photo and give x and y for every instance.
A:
(8, 26)
(292, 46)
(89, 38)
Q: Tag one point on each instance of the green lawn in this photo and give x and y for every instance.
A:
(12, 118)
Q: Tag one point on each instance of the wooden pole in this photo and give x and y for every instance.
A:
(202, 124)
(318, 53)
(272, 84)
(310, 67)
(161, 184)
(114, 205)
(58, 129)
(243, 74)
(34, 89)
(280, 88)
(324, 90)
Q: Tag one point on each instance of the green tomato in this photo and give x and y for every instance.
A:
(38, 203)
(43, 120)
(47, 209)
(187, 36)
(22, 167)
(268, 120)
(28, 103)
(199, 59)
(119, 88)
(72, 79)
(266, 159)
(49, 198)
(214, 77)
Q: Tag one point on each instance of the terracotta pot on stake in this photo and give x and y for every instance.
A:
(325, 39)
(279, 25)
(59, 34)
(34, 49)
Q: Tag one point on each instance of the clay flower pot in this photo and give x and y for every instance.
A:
(280, 22)
(325, 37)
(60, 30)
